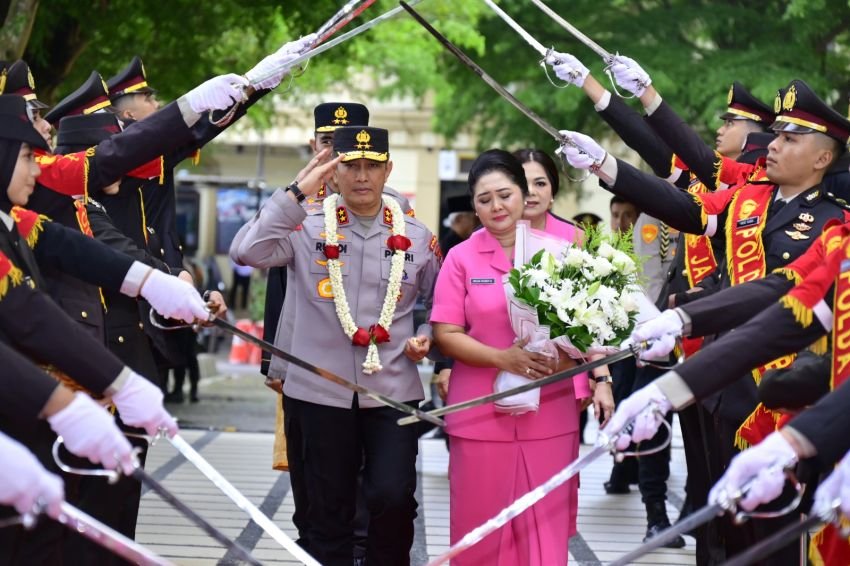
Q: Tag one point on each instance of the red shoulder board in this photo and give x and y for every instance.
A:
(411, 213)
(433, 243)
(341, 216)
(323, 192)
(29, 224)
(10, 275)
(388, 216)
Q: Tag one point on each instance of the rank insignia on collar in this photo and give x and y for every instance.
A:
(341, 215)
(322, 192)
(795, 235)
(813, 196)
(800, 227)
(806, 217)
(388, 216)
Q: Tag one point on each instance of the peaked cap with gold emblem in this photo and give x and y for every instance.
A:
(92, 96)
(745, 106)
(129, 80)
(19, 80)
(332, 115)
(801, 111)
(356, 142)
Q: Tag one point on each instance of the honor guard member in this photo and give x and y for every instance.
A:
(361, 257)
(19, 80)
(134, 100)
(764, 224)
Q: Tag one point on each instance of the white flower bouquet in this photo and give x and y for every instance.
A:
(583, 299)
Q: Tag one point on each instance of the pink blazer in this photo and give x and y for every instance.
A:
(469, 293)
(572, 233)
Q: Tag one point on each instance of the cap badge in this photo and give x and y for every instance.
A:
(731, 95)
(30, 79)
(777, 103)
(2, 81)
(341, 116)
(363, 138)
(806, 217)
(142, 65)
(796, 235)
(105, 88)
(790, 98)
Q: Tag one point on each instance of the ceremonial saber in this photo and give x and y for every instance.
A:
(339, 20)
(336, 41)
(143, 477)
(607, 56)
(604, 444)
(708, 513)
(107, 537)
(692, 521)
(241, 501)
(328, 375)
(776, 541)
(536, 45)
(554, 378)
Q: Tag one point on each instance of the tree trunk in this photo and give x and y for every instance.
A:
(17, 27)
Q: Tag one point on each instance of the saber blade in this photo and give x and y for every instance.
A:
(348, 12)
(577, 33)
(336, 41)
(692, 521)
(536, 45)
(108, 537)
(503, 92)
(521, 504)
(143, 477)
(554, 378)
(328, 375)
(241, 501)
(777, 540)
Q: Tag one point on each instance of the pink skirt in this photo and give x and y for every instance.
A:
(486, 476)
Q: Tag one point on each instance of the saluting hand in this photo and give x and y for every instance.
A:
(519, 361)
(311, 178)
(417, 348)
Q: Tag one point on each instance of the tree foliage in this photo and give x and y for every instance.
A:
(693, 50)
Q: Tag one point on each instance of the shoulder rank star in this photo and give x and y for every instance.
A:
(806, 217)
(800, 227)
(795, 235)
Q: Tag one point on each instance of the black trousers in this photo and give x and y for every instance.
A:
(623, 373)
(334, 442)
(654, 469)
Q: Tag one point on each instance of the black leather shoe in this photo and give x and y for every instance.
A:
(653, 530)
(612, 488)
(174, 398)
(359, 561)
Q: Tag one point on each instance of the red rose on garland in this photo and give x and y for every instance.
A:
(398, 242)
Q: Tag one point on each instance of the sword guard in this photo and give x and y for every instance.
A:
(743, 516)
(112, 476)
(609, 62)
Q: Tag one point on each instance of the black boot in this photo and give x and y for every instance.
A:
(657, 521)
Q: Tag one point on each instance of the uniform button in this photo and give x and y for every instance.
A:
(786, 255)
(84, 314)
(120, 339)
(141, 326)
(684, 273)
(180, 247)
(162, 251)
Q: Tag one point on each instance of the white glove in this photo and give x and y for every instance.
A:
(90, 431)
(568, 68)
(217, 93)
(174, 298)
(763, 467)
(647, 406)
(662, 331)
(139, 403)
(24, 481)
(629, 75)
(835, 488)
(588, 153)
(270, 71)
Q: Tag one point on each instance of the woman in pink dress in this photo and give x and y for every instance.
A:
(497, 457)
(543, 180)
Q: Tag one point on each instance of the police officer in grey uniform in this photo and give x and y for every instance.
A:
(338, 428)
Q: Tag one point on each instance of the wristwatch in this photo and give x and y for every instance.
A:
(603, 378)
(293, 188)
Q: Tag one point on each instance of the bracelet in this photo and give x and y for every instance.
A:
(603, 378)
(293, 188)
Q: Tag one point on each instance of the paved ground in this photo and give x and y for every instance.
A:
(237, 400)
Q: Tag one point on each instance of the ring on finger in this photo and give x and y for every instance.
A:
(527, 371)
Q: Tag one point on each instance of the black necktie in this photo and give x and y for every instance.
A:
(777, 205)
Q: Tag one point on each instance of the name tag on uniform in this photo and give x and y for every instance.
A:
(752, 221)
(482, 281)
